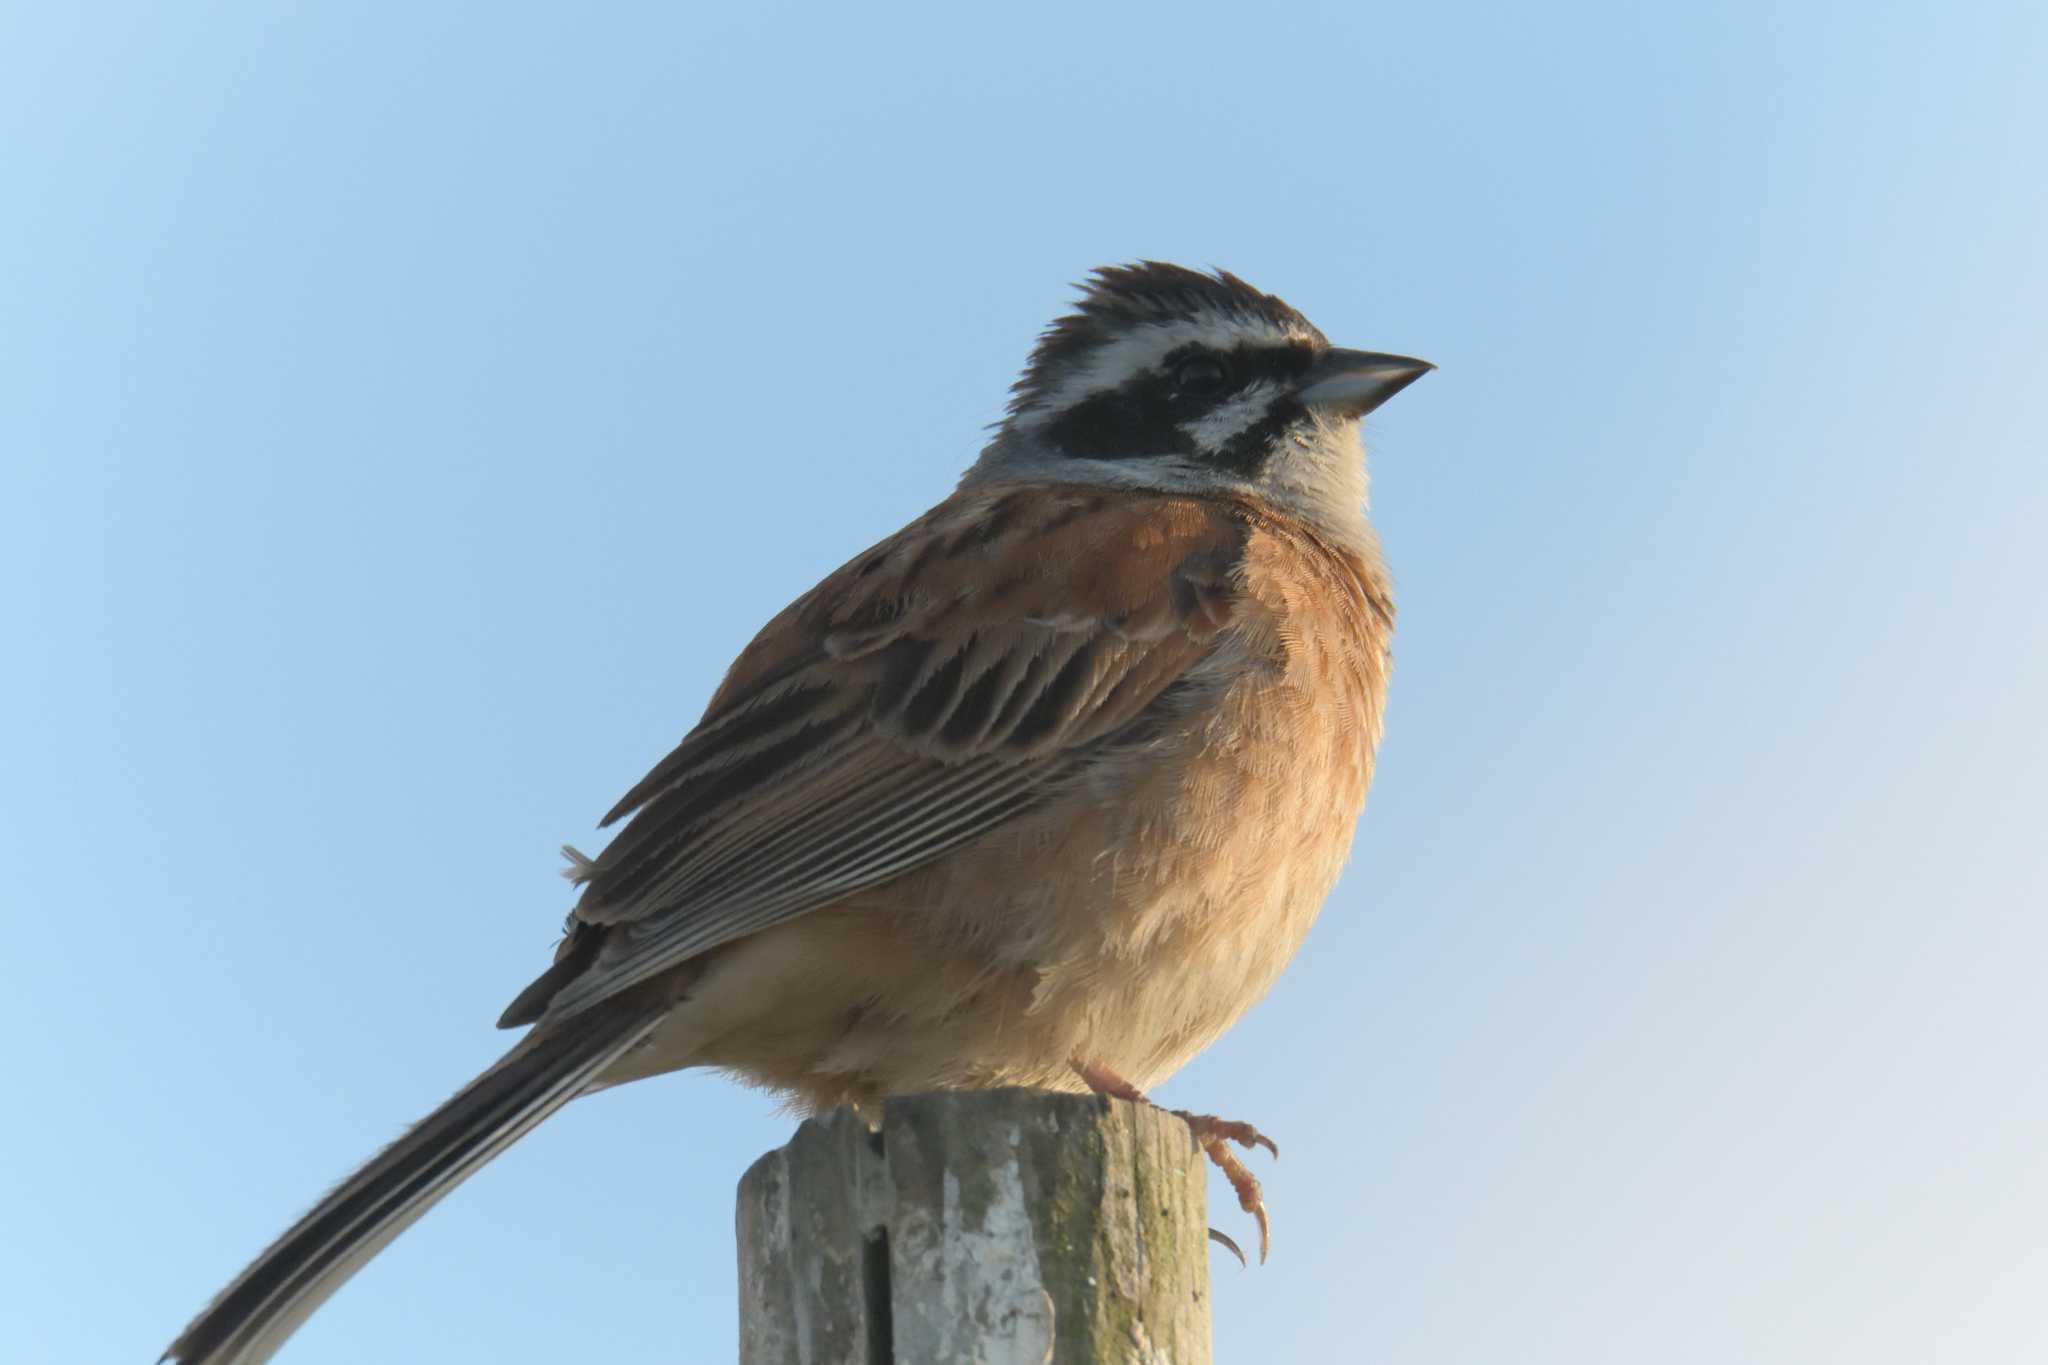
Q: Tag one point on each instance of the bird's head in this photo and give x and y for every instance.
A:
(1168, 378)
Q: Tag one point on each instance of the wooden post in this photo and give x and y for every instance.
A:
(1000, 1227)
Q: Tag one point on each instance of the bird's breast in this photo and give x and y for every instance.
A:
(1149, 911)
(1131, 919)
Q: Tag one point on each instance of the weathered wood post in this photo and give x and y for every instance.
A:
(1001, 1227)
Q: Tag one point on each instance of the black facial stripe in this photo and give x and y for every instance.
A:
(1135, 419)
(1247, 452)
(1251, 361)
(1145, 416)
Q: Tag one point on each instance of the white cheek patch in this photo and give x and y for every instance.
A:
(1142, 349)
(1216, 428)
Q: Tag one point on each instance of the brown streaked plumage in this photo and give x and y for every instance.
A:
(1091, 700)
(1045, 789)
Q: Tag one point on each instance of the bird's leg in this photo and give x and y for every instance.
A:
(1207, 1127)
(1212, 1134)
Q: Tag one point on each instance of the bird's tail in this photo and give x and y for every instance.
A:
(252, 1317)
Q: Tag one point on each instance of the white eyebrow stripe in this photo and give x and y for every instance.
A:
(1215, 428)
(1142, 348)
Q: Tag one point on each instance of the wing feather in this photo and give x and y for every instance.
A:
(987, 658)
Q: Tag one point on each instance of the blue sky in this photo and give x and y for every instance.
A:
(406, 412)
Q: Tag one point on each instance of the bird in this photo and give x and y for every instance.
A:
(1044, 790)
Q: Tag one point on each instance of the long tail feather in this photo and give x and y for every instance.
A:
(253, 1316)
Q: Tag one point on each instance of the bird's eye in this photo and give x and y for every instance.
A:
(1201, 376)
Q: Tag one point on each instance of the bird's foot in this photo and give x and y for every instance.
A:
(1208, 1128)
(1250, 1197)
(1214, 1136)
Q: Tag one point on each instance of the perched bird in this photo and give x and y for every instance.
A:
(1043, 790)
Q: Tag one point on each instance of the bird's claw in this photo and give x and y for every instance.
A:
(1207, 1128)
(1249, 1197)
(1214, 1136)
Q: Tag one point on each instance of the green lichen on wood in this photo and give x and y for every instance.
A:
(1121, 1230)
(1008, 1225)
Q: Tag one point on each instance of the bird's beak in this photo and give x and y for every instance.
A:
(1353, 383)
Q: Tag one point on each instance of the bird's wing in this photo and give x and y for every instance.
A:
(995, 653)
